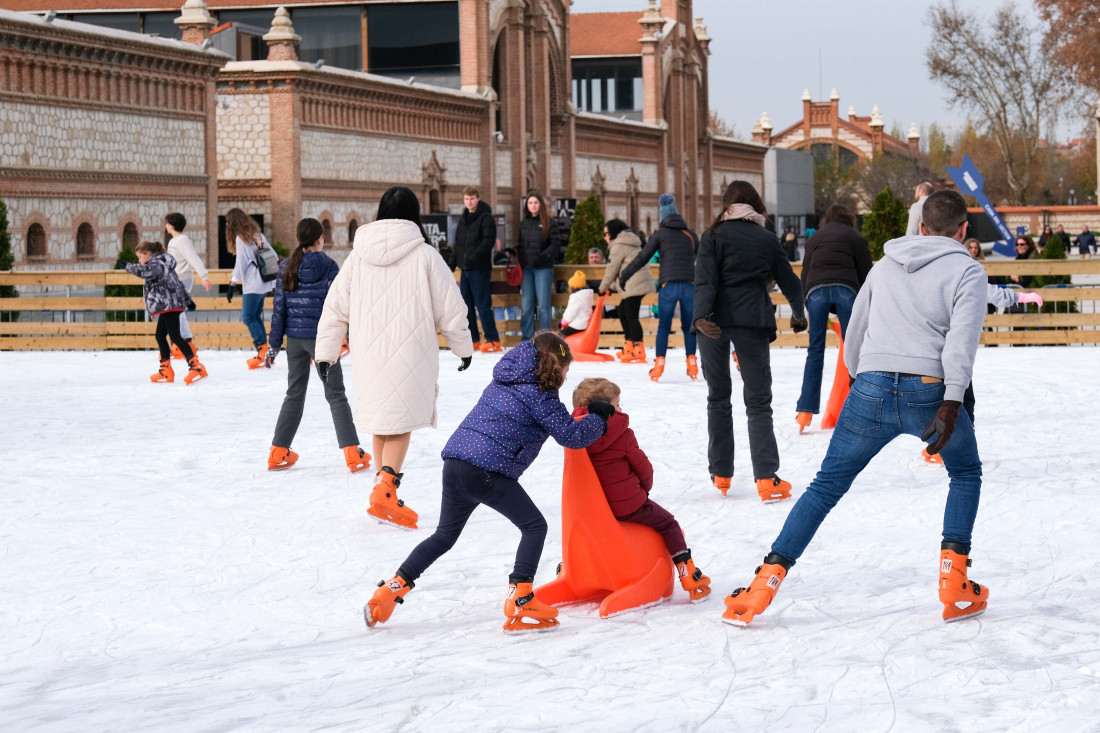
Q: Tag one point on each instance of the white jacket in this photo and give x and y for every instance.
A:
(247, 273)
(188, 262)
(579, 309)
(392, 294)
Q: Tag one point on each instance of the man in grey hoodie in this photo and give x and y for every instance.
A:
(909, 349)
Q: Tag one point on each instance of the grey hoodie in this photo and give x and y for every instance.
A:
(920, 312)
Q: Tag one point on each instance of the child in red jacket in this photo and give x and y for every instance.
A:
(626, 476)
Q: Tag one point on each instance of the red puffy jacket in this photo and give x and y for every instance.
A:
(623, 469)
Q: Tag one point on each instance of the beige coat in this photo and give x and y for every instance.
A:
(623, 250)
(392, 294)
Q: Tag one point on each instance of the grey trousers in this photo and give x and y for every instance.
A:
(299, 352)
(754, 356)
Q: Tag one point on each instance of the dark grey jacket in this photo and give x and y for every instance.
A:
(475, 236)
(163, 291)
(676, 245)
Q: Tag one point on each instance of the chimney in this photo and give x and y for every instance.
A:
(195, 22)
(282, 41)
(914, 139)
(765, 129)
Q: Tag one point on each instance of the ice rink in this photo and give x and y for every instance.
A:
(155, 577)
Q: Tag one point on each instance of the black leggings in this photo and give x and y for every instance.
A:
(628, 317)
(168, 327)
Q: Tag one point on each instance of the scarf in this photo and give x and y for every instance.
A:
(743, 211)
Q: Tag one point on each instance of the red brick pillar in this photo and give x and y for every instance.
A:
(195, 22)
(282, 41)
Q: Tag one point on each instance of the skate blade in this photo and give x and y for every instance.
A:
(699, 599)
(735, 622)
(196, 380)
(518, 626)
(963, 614)
(279, 467)
(369, 617)
(382, 519)
(773, 499)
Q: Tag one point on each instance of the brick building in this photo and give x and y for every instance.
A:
(322, 106)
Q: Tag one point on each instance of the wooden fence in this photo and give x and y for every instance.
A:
(56, 320)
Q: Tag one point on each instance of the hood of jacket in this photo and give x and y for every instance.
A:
(313, 268)
(913, 253)
(386, 241)
(674, 221)
(518, 366)
(616, 426)
(627, 238)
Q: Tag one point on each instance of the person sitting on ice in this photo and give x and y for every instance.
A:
(626, 476)
(579, 309)
(909, 350)
(482, 463)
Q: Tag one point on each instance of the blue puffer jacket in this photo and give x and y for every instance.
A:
(506, 429)
(296, 313)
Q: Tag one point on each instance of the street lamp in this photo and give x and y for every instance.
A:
(1061, 194)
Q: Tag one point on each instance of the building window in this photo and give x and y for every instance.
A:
(129, 236)
(85, 242)
(353, 226)
(333, 33)
(608, 85)
(326, 226)
(824, 152)
(117, 21)
(414, 40)
(36, 243)
(161, 25)
(244, 41)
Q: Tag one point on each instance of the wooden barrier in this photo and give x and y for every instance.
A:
(95, 333)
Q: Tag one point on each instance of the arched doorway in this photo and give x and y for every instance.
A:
(36, 243)
(85, 242)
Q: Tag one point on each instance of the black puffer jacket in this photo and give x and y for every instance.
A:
(736, 261)
(296, 313)
(475, 236)
(162, 291)
(835, 255)
(535, 250)
(677, 246)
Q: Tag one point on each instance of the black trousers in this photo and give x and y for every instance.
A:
(754, 356)
(628, 316)
(168, 327)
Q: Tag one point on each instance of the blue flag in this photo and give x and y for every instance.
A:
(970, 183)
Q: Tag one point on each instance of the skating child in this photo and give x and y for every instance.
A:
(188, 265)
(626, 476)
(304, 279)
(243, 238)
(482, 463)
(165, 300)
(579, 309)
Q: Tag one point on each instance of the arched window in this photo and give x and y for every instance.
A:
(326, 225)
(36, 243)
(129, 235)
(353, 226)
(85, 242)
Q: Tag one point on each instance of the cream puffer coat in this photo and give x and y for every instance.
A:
(623, 250)
(392, 294)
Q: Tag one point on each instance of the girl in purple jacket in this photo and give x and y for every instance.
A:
(482, 463)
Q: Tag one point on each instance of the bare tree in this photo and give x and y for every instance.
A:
(1004, 72)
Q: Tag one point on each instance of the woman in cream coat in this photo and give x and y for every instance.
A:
(623, 246)
(392, 294)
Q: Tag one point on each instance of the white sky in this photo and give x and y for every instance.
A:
(764, 54)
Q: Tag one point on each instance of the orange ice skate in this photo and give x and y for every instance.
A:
(746, 603)
(722, 483)
(658, 368)
(692, 367)
(521, 604)
(961, 597)
(280, 458)
(803, 419)
(196, 372)
(165, 374)
(380, 607)
(356, 458)
(691, 578)
(773, 489)
(384, 504)
(257, 361)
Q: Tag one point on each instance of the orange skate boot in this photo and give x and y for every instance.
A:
(380, 607)
(196, 372)
(166, 373)
(384, 504)
(356, 458)
(258, 360)
(521, 604)
(491, 347)
(773, 489)
(658, 368)
(722, 483)
(961, 597)
(176, 353)
(345, 349)
(477, 346)
(803, 419)
(280, 458)
(692, 367)
(745, 603)
(638, 356)
(627, 351)
(736, 361)
(691, 578)
(929, 458)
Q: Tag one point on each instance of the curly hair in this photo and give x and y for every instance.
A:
(595, 388)
(554, 357)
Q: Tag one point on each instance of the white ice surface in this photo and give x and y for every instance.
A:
(154, 576)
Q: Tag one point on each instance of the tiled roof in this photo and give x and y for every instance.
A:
(605, 34)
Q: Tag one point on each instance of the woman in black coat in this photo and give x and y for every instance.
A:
(737, 259)
(538, 251)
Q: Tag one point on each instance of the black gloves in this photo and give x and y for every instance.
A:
(601, 409)
(272, 352)
(798, 325)
(622, 282)
(465, 363)
(710, 329)
(191, 304)
(322, 370)
(230, 289)
(851, 381)
(120, 263)
(943, 424)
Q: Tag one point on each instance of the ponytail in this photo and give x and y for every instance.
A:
(309, 231)
(553, 358)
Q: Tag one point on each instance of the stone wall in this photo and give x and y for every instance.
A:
(244, 136)
(350, 157)
(615, 174)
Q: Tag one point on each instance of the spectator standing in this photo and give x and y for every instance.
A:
(538, 251)
(475, 237)
(624, 245)
(920, 193)
(1086, 243)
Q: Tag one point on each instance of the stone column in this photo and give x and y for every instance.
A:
(195, 22)
(282, 41)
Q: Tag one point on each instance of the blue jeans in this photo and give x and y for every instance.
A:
(536, 283)
(252, 315)
(474, 286)
(881, 406)
(668, 296)
(822, 301)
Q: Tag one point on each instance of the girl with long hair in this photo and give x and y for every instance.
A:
(243, 238)
(538, 252)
